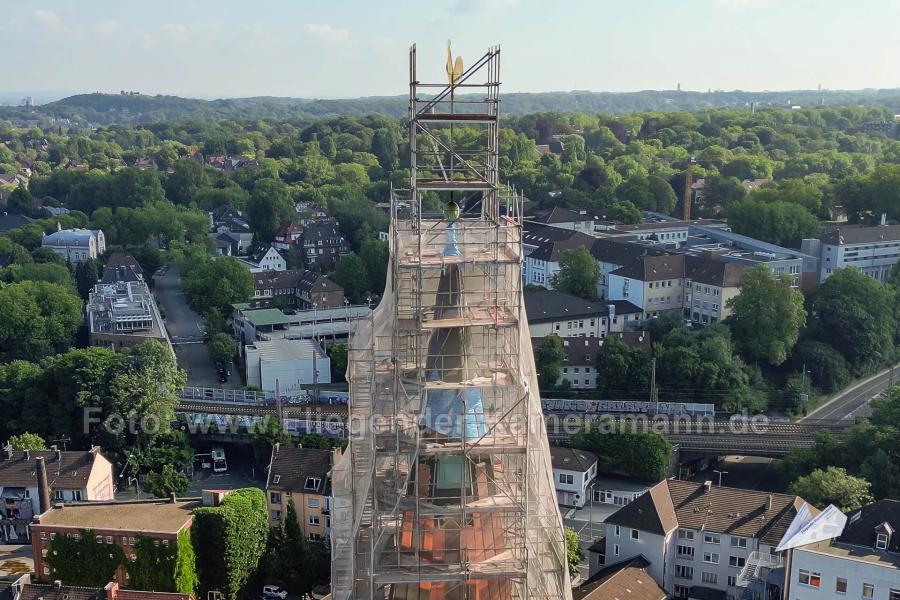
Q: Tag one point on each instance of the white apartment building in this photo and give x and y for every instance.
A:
(550, 311)
(700, 538)
(872, 250)
(76, 245)
(573, 471)
(861, 561)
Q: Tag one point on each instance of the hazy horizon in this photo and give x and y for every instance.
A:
(357, 49)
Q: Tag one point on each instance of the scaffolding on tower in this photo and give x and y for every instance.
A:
(446, 490)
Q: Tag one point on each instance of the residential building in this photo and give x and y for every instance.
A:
(232, 243)
(322, 245)
(73, 476)
(860, 561)
(627, 580)
(672, 232)
(120, 259)
(573, 470)
(800, 266)
(287, 235)
(543, 262)
(565, 218)
(551, 311)
(301, 475)
(618, 491)
(226, 218)
(655, 284)
(113, 523)
(9, 222)
(698, 538)
(708, 286)
(872, 250)
(275, 288)
(24, 589)
(615, 253)
(121, 312)
(316, 291)
(579, 365)
(289, 364)
(76, 245)
(265, 259)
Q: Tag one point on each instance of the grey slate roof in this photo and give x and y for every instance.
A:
(69, 470)
(542, 306)
(292, 466)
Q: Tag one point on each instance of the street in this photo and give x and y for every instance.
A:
(844, 404)
(588, 523)
(187, 330)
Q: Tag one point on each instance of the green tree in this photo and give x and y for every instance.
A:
(21, 202)
(375, 254)
(27, 441)
(338, 355)
(826, 367)
(622, 371)
(624, 451)
(624, 213)
(574, 555)
(781, 223)
(855, 315)
(767, 316)
(833, 486)
(351, 274)
(11, 252)
(86, 276)
(187, 180)
(229, 540)
(578, 274)
(548, 355)
(49, 272)
(221, 348)
(37, 317)
(167, 482)
(269, 204)
(216, 284)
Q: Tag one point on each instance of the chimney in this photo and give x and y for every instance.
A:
(707, 485)
(769, 502)
(57, 584)
(8, 450)
(173, 497)
(43, 486)
(27, 454)
(883, 219)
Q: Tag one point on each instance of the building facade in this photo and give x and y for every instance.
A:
(301, 476)
(573, 471)
(872, 250)
(76, 245)
(73, 476)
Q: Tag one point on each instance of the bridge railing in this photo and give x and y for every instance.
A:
(255, 398)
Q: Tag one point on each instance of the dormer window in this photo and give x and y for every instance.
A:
(881, 541)
(312, 483)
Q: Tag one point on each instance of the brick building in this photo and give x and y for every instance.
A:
(119, 523)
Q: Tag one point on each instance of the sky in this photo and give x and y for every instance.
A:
(351, 48)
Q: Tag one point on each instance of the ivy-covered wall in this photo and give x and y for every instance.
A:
(156, 567)
(230, 540)
(83, 561)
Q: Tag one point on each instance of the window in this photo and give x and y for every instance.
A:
(275, 497)
(313, 503)
(737, 561)
(634, 534)
(738, 542)
(109, 539)
(276, 514)
(681, 591)
(76, 495)
(276, 478)
(132, 541)
(711, 538)
(732, 581)
(685, 552)
(684, 572)
(840, 586)
(711, 558)
(709, 577)
(868, 590)
(810, 578)
(43, 535)
(616, 549)
(881, 541)
(314, 520)
(685, 534)
(58, 494)
(894, 595)
(566, 478)
(618, 531)
(99, 539)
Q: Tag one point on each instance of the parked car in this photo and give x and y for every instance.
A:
(273, 591)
